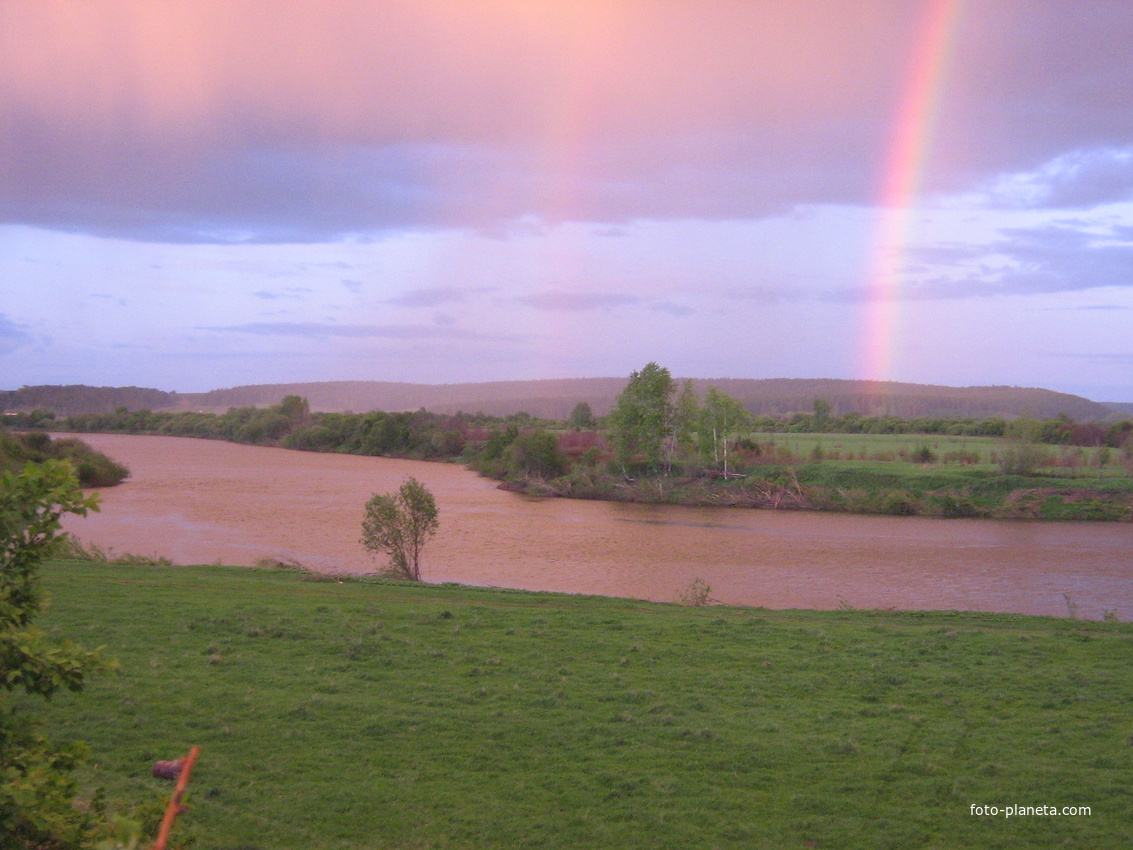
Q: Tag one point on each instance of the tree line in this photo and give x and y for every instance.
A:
(654, 422)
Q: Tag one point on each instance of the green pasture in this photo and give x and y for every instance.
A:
(365, 714)
(974, 452)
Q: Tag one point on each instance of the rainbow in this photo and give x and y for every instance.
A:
(904, 168)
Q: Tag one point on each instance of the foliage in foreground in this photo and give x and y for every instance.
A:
(348, 714)
(37, 788)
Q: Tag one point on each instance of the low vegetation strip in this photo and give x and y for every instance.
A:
(368, 714)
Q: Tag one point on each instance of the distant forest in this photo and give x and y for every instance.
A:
(554, 399)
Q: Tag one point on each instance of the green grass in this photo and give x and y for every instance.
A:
(976, 453)
(867, 447)
(376, 715)
(1047, 497)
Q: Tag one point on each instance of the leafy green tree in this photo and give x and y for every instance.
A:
(721, 420)
(581, 416)
(295, 408)
(37, 791)
(821, 414)
(642, 418)
(400, 525)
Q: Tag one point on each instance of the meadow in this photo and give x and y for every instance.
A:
(368, 714)
(977, 453)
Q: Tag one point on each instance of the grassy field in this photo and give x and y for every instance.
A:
(974, 452)
(374, 715)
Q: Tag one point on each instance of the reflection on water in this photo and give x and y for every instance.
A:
(199, 501)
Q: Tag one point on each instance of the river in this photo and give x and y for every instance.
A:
(201, 501)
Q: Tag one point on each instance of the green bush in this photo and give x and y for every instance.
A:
(955, 505)
(900, 503)
(37, 786)
(92, 468)
(536, 453)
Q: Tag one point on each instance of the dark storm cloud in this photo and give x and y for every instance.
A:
(216, 128)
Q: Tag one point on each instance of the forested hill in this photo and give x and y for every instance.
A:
(554, 399)
(72, 399)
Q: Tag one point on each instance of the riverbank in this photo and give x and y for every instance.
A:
(346, 713)
(847, 487)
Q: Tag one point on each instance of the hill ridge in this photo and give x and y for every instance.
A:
(554, 398)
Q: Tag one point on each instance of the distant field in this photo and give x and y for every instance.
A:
(368, 715)
(861, 446)
(979, 452)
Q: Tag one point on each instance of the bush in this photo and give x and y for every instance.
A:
(37, 789)
(900, 503)
(400, 525)
(536, 453)
(924, 455)
(1020, 458)
(93, 469)
(955, 506)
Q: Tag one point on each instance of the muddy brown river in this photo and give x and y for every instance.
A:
(200, 501)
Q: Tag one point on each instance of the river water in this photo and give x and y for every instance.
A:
(200, 501)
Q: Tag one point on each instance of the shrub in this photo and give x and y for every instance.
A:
(1020, 458)
(37, 789)
(536, 453)
(924, 455)
(955, 505)
(900, 503)
(400, 525)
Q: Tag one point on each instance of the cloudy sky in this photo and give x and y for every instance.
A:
(203, 194)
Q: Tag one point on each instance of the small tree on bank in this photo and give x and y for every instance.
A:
(400, 525)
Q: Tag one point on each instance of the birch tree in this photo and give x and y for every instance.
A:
(721, 420)
(642, 418)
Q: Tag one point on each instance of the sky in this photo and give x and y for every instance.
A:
(197, 195)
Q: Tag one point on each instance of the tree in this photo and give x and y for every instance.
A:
(642, 417)
(400, 525)
(37, 792)
(581, 417)
(821, 414)
(295, 408)
(720, 422)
